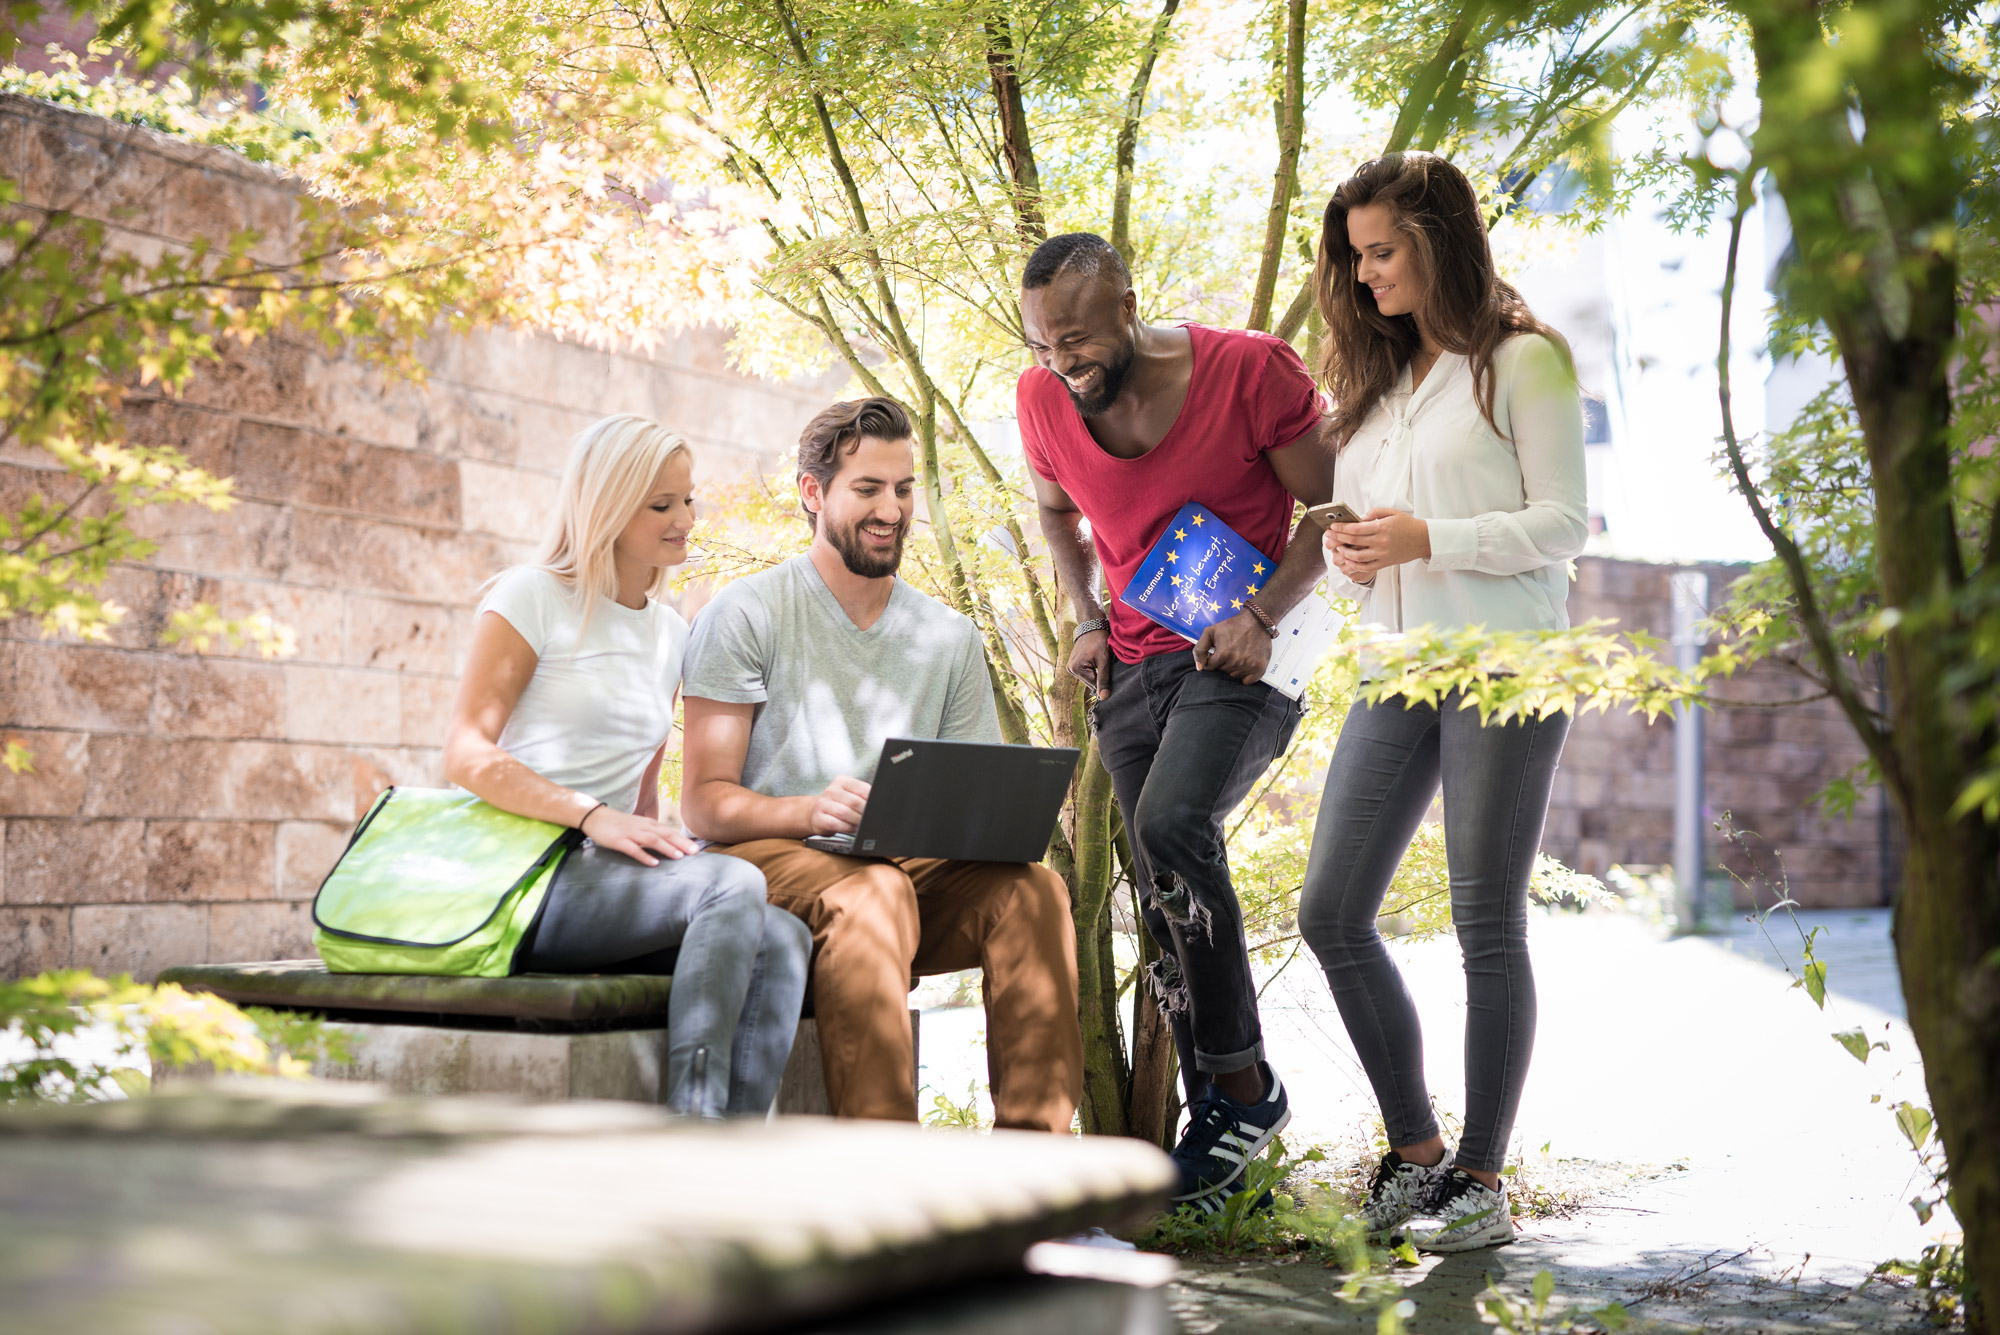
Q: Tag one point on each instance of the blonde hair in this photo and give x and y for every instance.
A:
(612, 466)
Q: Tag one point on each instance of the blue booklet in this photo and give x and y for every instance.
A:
(1198, 573)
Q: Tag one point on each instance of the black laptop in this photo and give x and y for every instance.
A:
(975, 801)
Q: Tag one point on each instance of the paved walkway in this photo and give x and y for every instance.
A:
(1684, 1081)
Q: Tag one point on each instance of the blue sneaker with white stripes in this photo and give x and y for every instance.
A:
(1224, 1135)
(1218, 1201)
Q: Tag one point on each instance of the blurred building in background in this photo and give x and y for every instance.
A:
(1640, 303)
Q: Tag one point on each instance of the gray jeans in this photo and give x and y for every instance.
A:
(1385, 771)
(739, 965)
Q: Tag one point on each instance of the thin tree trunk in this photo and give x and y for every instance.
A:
(1128, 132)
(1285, 180)
(1084, 860)
(1014, 140)
(1155, 1062)
(1105, 1074)
(902, 344)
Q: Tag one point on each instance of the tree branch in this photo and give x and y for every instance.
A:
(1014, 129)
(1285, 180)
(904, 346)
(1416, 106)
(1128, 130)
(1811, 619)
(1295, 314)
(1409, 119)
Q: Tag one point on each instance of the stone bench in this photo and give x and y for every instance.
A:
(539, 1036)
(282, 1207)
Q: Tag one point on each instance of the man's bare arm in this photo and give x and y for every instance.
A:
(1075, 561)
(1240, 646)
(715, 804)
(1305, 467)
(1076, 570)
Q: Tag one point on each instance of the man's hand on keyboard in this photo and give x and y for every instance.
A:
(837, 810)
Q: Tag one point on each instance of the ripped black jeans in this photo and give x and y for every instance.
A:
(1183, 748)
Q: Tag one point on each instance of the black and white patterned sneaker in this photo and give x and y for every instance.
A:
(1464, 1215)
(1401, 1189)
(1224, 1135)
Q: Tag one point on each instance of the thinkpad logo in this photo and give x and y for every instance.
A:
(900, 757)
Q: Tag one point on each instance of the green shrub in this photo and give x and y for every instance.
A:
(161, 1026)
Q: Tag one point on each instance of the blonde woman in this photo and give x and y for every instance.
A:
(563, 716)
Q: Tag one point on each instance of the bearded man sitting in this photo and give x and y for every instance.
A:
(794, 678)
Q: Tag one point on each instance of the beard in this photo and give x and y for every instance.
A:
(1109, 383)
(859, 559)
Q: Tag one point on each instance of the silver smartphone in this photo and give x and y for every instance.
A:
(1333, 512)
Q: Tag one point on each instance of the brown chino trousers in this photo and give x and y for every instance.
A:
(878, 924)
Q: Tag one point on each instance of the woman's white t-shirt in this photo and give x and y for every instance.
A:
(602, 698)
(1505, 507)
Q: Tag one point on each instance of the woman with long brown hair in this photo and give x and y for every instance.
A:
(1460, 445)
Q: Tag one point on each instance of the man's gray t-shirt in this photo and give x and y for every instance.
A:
(828, 693)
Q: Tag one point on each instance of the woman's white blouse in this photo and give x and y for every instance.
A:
(1505, 508)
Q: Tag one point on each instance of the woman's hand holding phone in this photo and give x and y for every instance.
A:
(1363, 546)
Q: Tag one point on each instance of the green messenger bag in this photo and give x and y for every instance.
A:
(436, 881)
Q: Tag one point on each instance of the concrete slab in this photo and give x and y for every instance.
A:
(626, 1064)
(311, 1208)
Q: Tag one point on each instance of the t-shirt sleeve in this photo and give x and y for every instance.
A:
(1287, 403)
(525, 598)
(969, 715)
(674, 634)
(728, 653)
(1028, 416)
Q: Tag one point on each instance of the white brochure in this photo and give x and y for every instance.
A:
(1305, 636)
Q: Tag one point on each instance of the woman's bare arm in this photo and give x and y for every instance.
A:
(497, 671)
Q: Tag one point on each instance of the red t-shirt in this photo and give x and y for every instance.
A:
(1249, 393)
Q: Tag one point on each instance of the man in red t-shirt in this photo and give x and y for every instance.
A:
(1123, 423)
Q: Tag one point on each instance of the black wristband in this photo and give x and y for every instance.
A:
(588, 814)
(1088, 627)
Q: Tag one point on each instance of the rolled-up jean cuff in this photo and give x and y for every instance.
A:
(1233, 1061)
(1429, 1131)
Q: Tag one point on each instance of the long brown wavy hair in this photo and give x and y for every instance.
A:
(1466, 307)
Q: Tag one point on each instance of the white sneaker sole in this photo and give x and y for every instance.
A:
(1488, 1232)
(1254, 1149)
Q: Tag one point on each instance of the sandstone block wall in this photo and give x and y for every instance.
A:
(183, 808)
(1614, 793)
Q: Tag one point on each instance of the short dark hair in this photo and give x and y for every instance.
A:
(1078, 254)
(837, 429)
